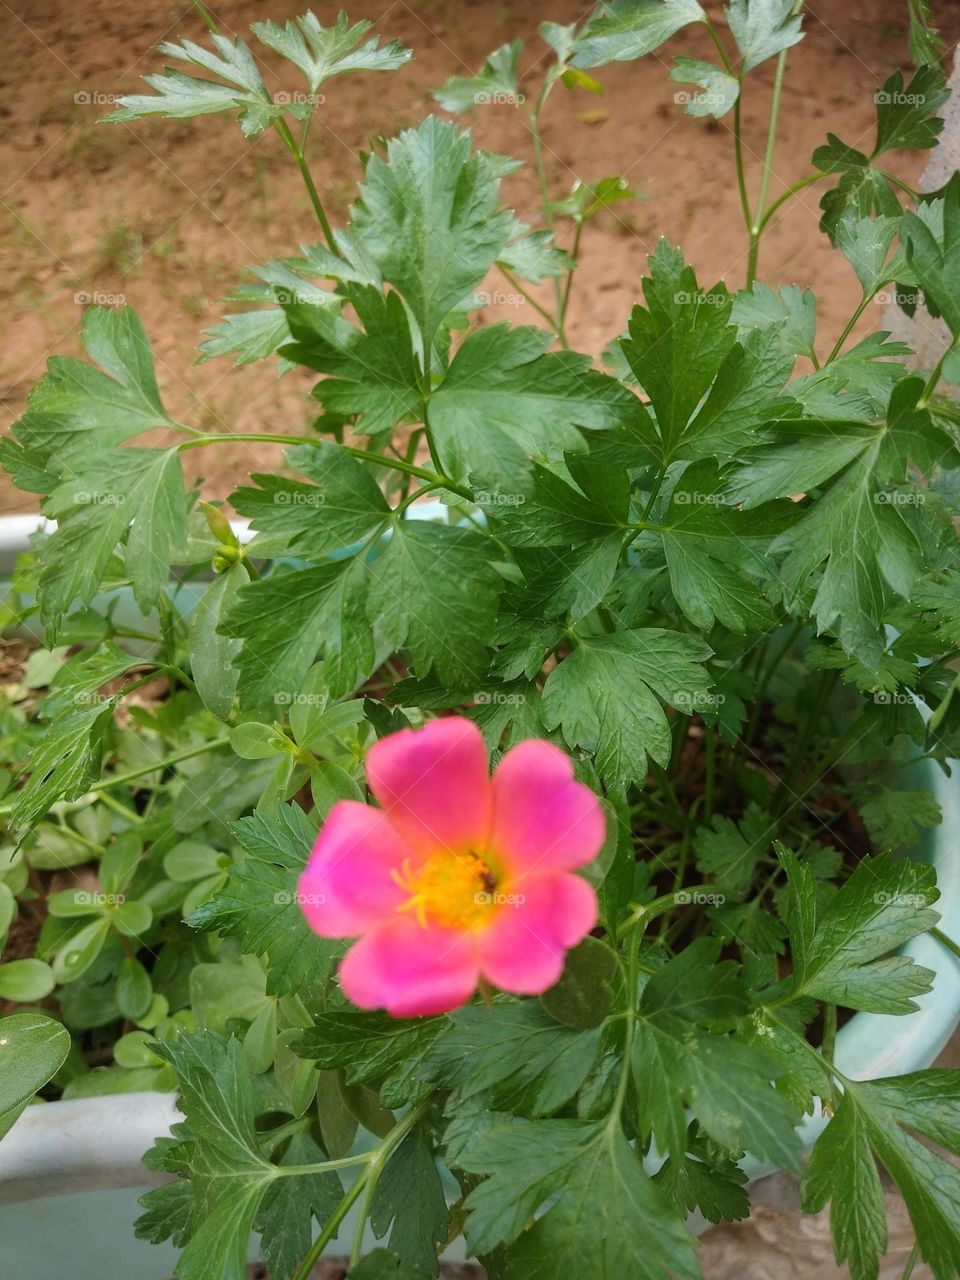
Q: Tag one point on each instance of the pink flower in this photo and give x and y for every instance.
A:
(457, 876)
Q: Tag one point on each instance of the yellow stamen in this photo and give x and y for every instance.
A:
(452, 890)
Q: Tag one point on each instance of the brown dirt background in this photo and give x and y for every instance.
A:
(167, 213)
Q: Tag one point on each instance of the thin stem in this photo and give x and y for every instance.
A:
(911, 1261)
(785, 196)
(847, 328)
(324, 1166)
(947, 942)
(207, 16)
(332, 1226)
(651, 910)
(574, 254)
(630, 1027)
(937, 374)
(545, 191)
(290, 142)
(756, 226)
(738, 155)
(829, 1032)
(365, 455)
(531, 302)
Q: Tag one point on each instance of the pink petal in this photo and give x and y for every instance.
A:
(524, 949)
(432, 783)
(410, 971)
(542, 818)
(346, 887)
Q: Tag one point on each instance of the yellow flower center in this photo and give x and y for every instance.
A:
(452, 890)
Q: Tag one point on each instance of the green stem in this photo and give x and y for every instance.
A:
(207, 16)
(829, 1032)
(847, 328)
(947, 942)
(365, 455)
(651, 910)
(324, 1166)
(785, 196)
(937, 374)
(531, 302)
(911, 1261)
(710, 771)
(290, 142)
(757, 224)
(738, 155)
(574, 254)
(630, 1027)
(332, 1226)
(541, 169)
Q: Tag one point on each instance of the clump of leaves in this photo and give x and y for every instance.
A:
(722, 574)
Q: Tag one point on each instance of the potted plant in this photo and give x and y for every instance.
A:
(528, 866)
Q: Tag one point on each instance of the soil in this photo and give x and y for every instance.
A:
(166, 214)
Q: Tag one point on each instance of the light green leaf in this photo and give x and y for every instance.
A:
(323, 52)
(495, 82)
(763, 28)
(718, 90)
(623, 30)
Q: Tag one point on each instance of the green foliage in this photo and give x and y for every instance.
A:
(721, 574)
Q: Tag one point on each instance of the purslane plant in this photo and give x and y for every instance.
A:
(719, 580)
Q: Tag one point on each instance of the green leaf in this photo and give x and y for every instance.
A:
(323, 52)
(248, 335)
(622, 30)
(284, 1219)
(871, 1123)
(534, 256)
(528, 1061)
(713, 554)
(726, 1084)
(926, 47)
(212, 654)
(134, 990)
(25, 981)
(381, 1264)
(63, 764)
(936, 257)
(728, 852)
(894, 819)
(865, 243)
(718, 90)
(286, 620)
(33, 1048)
(374, 374)
(610, 1220)
(906, 116)
(495, 82)
(429, 217)
(504, 401)
(369, 1047)
(587, 199)
(604, 696)
(180, 97)
(434, 592)
(228, 1174)
(344, 504)
(763, 28)
(703, 1179)
(844, 957)
(134, 491)
(790, 310)
(682, 345)
(858, 544)
(410, 1196)
(584, 995)
(259, 901)
(74, 405)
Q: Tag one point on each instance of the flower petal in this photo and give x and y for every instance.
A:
(409, 971)
(524, 948)
(542, 818)
(347, 887)
(433, 785)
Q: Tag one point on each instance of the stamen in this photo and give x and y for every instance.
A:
(453, 890)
